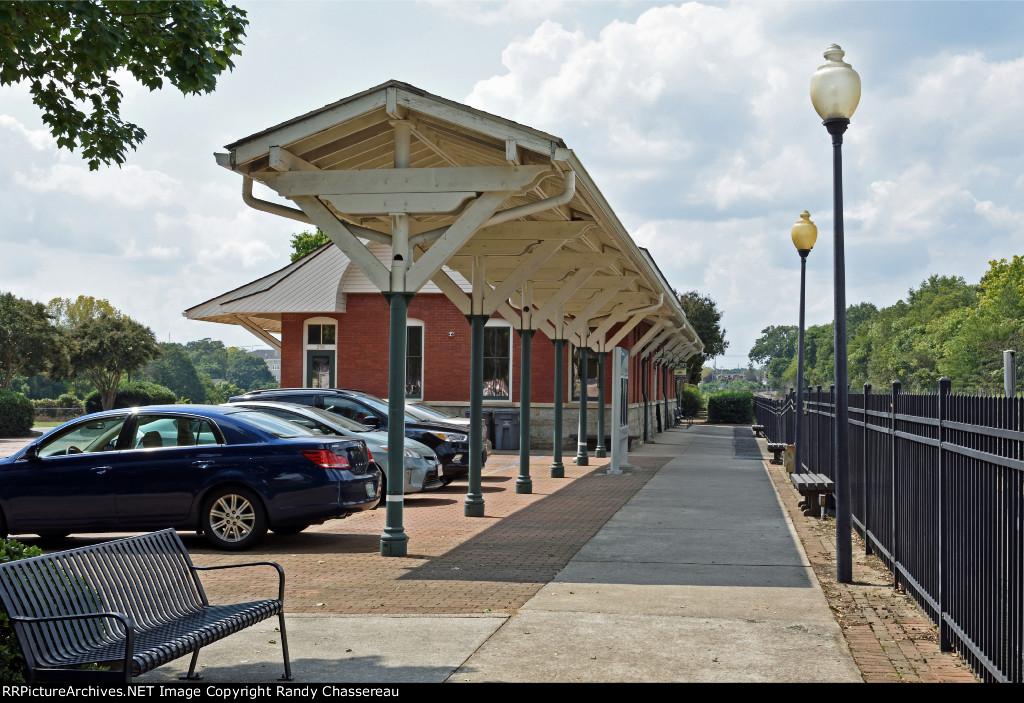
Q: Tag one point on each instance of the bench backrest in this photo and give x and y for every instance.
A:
(146, 577)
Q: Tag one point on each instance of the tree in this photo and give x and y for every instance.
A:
(29, 341)
(108, 347)
(68, 314)
(305, 243)
(248, 371)
(705, 317)
(174, 369)
(68, 53)
(209, 357)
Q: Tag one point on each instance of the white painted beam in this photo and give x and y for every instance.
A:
(648, 336)
(345, 240)
(557, 300)
(261, 333)
(526, 268)
(283, 160)
(386, 181)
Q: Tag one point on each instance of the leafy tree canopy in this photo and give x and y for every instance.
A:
(68, 314)
(29, 341)
(305, 243)
(704, 315)
(68, 52)
(174, 369)
(106, 348)
(248, 371)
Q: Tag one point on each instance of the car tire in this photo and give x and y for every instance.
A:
(52, 537)
(285, 530)
(233, 518)
(382, 495)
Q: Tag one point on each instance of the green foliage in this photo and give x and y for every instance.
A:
(305, 243)
(704, 315)
(175, 370)
(29, 341)
(17, 414)
(691, 400)
(731, 407)
(12, 663)
(68, 314)
(248, 371)
(217, 393)
(68, 53)
(133, 394)
(107, 348)
(209, 357)
(39, 385)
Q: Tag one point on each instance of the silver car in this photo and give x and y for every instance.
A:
(421, 472)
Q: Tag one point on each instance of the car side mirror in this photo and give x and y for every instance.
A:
(370, 421)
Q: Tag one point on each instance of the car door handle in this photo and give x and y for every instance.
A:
(202, 464)
(100, 470)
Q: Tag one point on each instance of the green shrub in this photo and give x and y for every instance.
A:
(691, 400)
(133, 395)
(731, 407)
(16, 415)
(12, 664)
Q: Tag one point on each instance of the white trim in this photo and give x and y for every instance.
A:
(493, 323)
(325, 347)
(413, 322)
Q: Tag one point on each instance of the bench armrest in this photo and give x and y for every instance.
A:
(280, 572)
(129, 628)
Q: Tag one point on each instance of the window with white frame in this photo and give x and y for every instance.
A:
(497, 360)
(414, 360)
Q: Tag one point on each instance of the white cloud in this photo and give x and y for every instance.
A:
(39, 139)
(129, 187)
(490, 13)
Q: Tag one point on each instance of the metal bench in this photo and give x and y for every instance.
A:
(758, 430)
(776, 448)
(812, 486)
(130, 604)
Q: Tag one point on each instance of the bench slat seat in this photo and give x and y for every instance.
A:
(137, 601)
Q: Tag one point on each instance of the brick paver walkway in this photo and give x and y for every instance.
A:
(456, 564)
(890, 637)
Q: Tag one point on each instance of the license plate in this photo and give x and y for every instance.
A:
(371, 490)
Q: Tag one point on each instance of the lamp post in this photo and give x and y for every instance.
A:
(835, 92)
(804, 234)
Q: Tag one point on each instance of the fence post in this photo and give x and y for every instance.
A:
(945, 384)
(817, 435)
(865, 484)
(896, 385)
(790, 400)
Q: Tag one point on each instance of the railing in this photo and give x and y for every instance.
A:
(937, 491)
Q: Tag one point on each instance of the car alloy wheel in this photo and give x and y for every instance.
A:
(234, 519)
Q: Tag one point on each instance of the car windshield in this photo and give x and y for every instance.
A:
(426, 413)
(339, 420)
(274, 425)
(380, 406)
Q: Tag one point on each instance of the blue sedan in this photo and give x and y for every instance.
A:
(230, 473)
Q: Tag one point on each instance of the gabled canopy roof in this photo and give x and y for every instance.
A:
(339, 163)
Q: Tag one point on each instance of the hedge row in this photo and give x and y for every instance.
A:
(17, 414)
(733, 407)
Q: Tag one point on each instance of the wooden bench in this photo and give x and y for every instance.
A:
(130, 604)
(682, 416)
(758, 430)
(812, 486)
(776, 448)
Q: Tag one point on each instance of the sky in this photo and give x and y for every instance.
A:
(693, 119)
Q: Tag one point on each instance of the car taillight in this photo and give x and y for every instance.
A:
(326, 458)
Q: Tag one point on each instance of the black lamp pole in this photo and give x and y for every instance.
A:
(804, 234)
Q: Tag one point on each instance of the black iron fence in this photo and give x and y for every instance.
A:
(937, 491)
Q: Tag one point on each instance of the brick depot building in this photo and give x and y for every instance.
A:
(333, 332)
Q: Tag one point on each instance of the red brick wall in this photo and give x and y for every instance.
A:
(363, 332)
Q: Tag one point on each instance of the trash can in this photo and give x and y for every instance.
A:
(506, 429)
(488, 417)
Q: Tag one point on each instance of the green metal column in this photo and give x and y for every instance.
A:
(524, 484)
(557, 467)
(600, 452)
(393, 541)
(664, 393)
(474, 506)
(581, 454)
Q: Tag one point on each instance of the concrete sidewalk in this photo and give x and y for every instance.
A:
(697, 577)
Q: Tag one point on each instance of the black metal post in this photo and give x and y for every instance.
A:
(844, 546)
(798, 454)
(865, 488)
